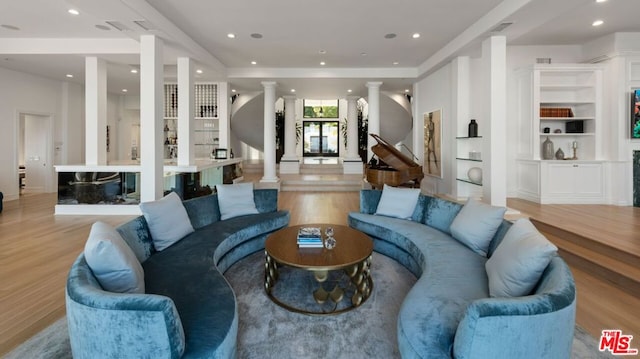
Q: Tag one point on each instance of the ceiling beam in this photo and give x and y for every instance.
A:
(40, 46)
(327, 73)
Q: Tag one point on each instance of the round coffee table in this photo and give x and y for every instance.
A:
(351, 255)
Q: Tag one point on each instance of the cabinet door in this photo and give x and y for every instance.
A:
(588, 179)
(561, 179)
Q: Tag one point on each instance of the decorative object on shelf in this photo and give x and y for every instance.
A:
(473, 128)
(546, 130)
(475, 155)
(574, 146)
(557, 130)
(576, 126)
(231, 155)
(475, 174)
(221, 153)
(547, 149)
(559, 154)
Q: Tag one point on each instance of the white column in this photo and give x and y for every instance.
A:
(151, 118)
(494, 159)
(374, 114)
(96, 111)
(186, 90)
(224, 123)
(269, 133)
(289, 163)
(352, 163)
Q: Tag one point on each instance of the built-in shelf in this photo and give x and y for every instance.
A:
(468, 181)
(565, 118)
(463, 137)
(467, 159)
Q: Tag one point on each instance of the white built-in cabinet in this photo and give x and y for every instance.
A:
(563, 103)
(206, 124)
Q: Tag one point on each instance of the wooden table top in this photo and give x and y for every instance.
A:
(352, 247)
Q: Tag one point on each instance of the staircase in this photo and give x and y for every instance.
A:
(312, 178)
(610, 264)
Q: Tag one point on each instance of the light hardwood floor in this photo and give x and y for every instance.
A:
(37, 249)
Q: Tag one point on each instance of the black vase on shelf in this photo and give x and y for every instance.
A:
(473, 128)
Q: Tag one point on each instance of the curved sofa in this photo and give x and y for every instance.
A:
(448, 313)
(188, 310)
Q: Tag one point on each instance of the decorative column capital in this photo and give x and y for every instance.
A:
(374, 84)
(353, 98)
(290, 97)
(269, 84)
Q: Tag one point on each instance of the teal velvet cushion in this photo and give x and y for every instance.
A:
(112, 262)
(439, 213)
(236, 200)
(476, 224)
(398, 202)
(518, 262)
(167, 220)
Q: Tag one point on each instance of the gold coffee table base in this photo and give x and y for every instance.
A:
(359, 280)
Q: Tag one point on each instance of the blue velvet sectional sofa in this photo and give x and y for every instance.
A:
(449, 312)
(188, 309)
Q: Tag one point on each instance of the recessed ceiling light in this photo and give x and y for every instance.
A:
(103, 27)
(322, 52)
(253, 63)
(199, 71)
(233, 90)
(390, 36)
(73, 12)
(406, 90)
(416, 35)
(10, 27)
(293, 90)
(349, 91)
(69, 75)
(256, 35)
(396, 63)
(231, 35)
(134, 71)
(124, 90)
(601, 0)
(363, 54)
(322, 63)
(597, 23)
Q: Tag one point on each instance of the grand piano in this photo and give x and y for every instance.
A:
(393, 168)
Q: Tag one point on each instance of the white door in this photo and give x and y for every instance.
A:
(36, 138)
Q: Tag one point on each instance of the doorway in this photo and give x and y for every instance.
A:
(320, 139)
(35, 167)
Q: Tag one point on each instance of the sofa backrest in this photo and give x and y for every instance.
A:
(202, 211)
(435, 212)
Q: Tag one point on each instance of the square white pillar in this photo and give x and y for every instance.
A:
(186, 103)
(96, 111)
(151, 118)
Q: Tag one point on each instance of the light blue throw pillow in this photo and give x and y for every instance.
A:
(112, 262)
(476, 224)
(167, 219)
(518, 262)
(236, 200)
(398, 202)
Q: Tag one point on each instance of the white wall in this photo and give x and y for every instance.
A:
(21, 92)
(433, 93)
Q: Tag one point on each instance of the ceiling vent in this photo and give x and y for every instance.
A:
(118, 25)
(144, 24)
(501, 27)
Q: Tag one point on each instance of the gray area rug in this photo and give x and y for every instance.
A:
(269, 331)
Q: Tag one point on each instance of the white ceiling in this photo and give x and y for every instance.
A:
(351, 33)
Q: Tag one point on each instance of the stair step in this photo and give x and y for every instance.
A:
(586, 254)
(321, 169)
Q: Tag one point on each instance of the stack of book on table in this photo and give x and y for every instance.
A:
(309, 237)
